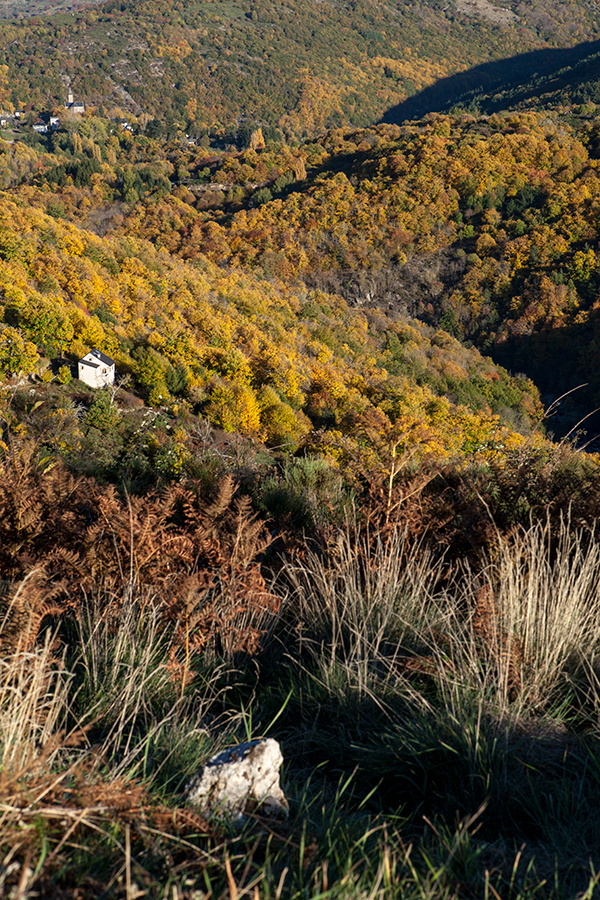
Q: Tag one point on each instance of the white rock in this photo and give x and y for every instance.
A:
(239, 780)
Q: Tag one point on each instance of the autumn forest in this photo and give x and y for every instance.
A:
(343, 489)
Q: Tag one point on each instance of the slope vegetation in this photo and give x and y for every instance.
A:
(291, 366)
(487, 227)
(301, 68)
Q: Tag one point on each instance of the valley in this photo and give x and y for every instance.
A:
(299, 392)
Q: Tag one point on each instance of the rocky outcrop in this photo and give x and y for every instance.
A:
(240, 780)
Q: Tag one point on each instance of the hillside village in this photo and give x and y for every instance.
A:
(21, 121)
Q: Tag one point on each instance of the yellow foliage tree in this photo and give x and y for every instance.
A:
(233, 407)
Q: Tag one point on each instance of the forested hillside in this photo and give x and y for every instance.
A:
(290, 366)
(334, 496)
(483, 226)
(299, 68)
(487, 227)
(543, 79)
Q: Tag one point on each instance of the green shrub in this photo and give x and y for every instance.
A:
(64, 375)
(103, 413)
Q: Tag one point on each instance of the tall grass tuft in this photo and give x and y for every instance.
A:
(123, 667)
(365, 603)
(547, 596)
(35, 701)
(519, 631)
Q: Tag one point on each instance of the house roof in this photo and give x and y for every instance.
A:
(97, 354)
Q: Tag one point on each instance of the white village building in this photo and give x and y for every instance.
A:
(74, 106)
(96, 369)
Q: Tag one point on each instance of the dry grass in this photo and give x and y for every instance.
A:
(547, 596)
(35, 698)
(452, 687)
(79, 733)
(518, 630)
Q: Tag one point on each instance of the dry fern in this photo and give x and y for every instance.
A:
(64, 538)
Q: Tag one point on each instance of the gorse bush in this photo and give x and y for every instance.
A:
(103, 413)
(306, 493)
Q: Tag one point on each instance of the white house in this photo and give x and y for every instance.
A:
(96, 369)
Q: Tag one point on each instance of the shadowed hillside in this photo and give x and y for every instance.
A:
(542, 77)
